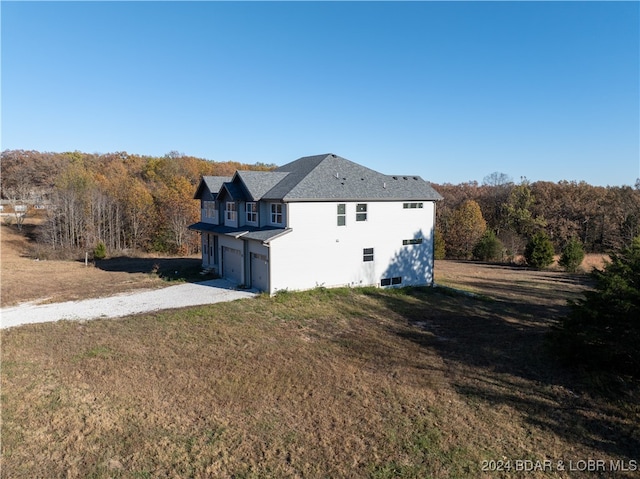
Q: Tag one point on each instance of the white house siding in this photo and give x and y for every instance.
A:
(318, 252)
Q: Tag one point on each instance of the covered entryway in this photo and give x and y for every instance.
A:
(232, 264)
(259, 272)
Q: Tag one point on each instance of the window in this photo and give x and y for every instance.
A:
(342, 214)
(231, 211)
(411, 205)
(252, 212)
(390, 281)
(361, 212)
(412, 241)
(209, 208)
(276, 213)
(367, 254)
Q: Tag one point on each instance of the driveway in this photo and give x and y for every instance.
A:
(180, 296)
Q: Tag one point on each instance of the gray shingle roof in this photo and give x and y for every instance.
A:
(213, 183)
(264, 233)
(320, 178)
(330, 177)
(257, 183)
(234, 190)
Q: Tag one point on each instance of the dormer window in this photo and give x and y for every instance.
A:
(252, 212)
(276, 213)
(231, 211)
(209, 208)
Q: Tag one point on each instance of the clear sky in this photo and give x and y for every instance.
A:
(450, 91)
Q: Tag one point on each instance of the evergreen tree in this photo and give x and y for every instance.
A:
(539, 251)
(489, 248)
(100, 251)
(602, 330)
(572, 255)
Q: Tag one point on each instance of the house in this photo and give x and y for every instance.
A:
(317, 221)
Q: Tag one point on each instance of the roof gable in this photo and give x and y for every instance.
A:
(257, 183)
(210, 184)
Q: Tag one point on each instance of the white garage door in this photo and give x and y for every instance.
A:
(232, 264)
(259, 272)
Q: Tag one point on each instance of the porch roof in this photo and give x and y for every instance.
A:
(265, 234)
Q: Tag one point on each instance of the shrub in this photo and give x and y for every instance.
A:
(539, 251)
(602, 331)
(489, 248)
(572, 255)
(100, 251)
(439, 249)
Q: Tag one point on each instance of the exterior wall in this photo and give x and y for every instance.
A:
(318, 252)
(210, 251)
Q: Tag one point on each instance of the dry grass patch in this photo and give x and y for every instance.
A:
(27, 278)
(329, 383)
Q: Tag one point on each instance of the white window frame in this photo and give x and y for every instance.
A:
(277, 213)
(411, 206)
(231, 211)
(252, 212)
(367, 254)
(209, 208)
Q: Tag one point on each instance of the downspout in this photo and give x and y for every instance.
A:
(247, 263)
(433, 246)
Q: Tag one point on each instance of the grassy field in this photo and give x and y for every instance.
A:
(328, 383)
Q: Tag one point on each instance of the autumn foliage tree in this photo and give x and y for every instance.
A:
(465, 227)
(126, 202)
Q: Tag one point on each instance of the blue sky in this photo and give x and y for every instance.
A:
(451, 91)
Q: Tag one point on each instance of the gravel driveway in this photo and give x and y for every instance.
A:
(180, 296)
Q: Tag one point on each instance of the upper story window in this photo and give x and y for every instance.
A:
(411, 205)
(342, 214)
(231, 211)
(361, 212)
(276, 213)
(209, 209)
(252, 212)
(412, 241)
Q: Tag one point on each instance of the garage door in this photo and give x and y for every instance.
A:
(259, 272)
(232, 264)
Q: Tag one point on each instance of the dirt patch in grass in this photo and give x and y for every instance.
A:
(328, 383)
(25, 278)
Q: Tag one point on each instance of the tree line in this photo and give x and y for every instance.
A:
(123, 201)
(137, 202)
(509, 215)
